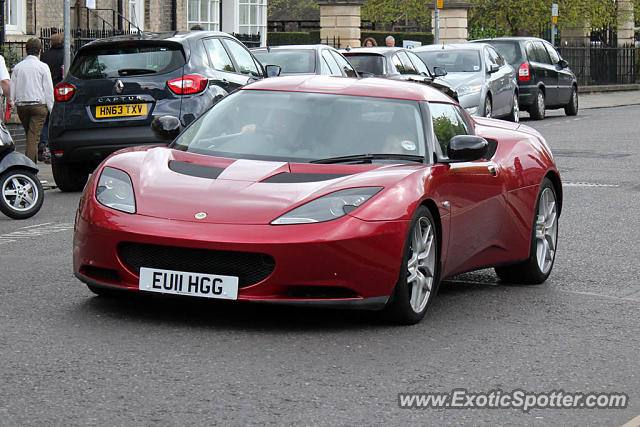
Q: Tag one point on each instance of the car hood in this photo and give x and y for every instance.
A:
(177, 185)
(455, 80)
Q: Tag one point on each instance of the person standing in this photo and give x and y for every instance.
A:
(5, 82)
(390, 41)
(54, 58)
(32, 92)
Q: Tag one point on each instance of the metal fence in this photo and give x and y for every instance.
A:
(601, 65)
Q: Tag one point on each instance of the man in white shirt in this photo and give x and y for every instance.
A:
(32, 92)
(5, 82)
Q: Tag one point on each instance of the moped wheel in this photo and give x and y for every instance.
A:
(21, 194)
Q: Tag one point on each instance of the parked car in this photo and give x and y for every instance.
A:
(306, 59)
(544, 78)
(117, 86)
(396, 63)
(335, 194)
(486, 84)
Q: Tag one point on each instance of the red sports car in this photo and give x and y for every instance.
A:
(322, 191)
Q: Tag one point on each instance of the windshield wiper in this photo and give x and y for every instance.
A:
(131, 71)
(368, 158)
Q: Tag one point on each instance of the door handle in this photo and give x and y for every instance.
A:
(492, 170)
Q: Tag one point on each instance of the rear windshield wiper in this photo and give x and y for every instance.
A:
(368, 158)
(132, 71)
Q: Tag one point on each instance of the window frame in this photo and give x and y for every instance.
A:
(208, 22)
(226, 51)
(226, 42)
(439, 156)
(20, 27)
(338, 57)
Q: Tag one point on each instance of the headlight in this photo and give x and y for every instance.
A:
(468, 90)
(116, 191)
(326, 208)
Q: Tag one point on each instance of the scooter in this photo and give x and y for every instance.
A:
(21, 193)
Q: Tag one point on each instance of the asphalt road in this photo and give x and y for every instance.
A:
(67, 357)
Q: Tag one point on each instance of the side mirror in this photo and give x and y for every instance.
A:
(166, 127)
(467, 148)
(272, 70)
(365, 74)
(563, 63)
(493, 68)
(439, 71)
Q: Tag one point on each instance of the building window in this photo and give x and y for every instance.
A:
(14, 16)
(136, 14)
(205, 13)
(253, 16)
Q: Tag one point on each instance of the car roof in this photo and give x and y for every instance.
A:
(293, 47)
(450, 46)
(372, 87)
(508, 39)
(173, 36)
(377, 50)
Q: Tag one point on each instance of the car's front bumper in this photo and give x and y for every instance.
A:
(356, 263)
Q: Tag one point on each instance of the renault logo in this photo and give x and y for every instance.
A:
(201, 215)
(119, 87)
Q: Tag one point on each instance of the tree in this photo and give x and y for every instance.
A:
(529, 17)
(415, 13)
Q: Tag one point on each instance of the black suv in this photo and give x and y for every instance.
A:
(117, 86)
(544, 78)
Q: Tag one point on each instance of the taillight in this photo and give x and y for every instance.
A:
(189, 84)
(63, 92)
(524, 73)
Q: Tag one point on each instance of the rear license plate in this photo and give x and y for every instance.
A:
(184, 283)
(121, 110)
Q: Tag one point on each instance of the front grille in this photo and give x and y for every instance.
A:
(249, 267)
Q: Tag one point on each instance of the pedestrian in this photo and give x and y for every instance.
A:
(32, 92)
(5, 83)
(370, 42)
(390, 41)
(54, 58)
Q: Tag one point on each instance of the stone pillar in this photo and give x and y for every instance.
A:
(626, 23)
(576, 36)
(340, 19)
(453, 21)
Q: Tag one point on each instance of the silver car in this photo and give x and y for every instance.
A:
(485, 82)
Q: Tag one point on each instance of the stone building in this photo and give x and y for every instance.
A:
(25, 18)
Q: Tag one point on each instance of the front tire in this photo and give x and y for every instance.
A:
(488, 107)
(544, 241)
(537, 110)
(571, 109)
(419, 274)
(21, 193)
(67, 176)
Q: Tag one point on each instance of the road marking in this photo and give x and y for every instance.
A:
(587, 184)
(633, 423)
(34, 231)
(593, 294)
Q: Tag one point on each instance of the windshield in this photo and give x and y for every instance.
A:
(454, 61)
(298, 126)
(125, 59)
(291, 61)
(368, 63)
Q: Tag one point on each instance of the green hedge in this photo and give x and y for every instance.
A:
(379, 36)
(283, 38)
(313, 37)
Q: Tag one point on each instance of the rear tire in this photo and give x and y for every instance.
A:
(67, 176)
(514, 116)
(21, 193)
(571, 109)
(419, 273)
(537, 110)
(544, 241)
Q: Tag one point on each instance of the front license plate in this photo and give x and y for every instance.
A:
(121, 110)
(184, 283)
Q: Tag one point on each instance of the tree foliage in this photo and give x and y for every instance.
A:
(415, 13)
(527, 17)
(292, 10)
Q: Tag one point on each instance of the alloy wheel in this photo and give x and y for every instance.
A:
(546, 230)
(20, 193)
(421, 264)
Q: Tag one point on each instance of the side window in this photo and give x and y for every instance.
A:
(244, 60)
(398, 64)
(333, 65)
(541, 53)
(347, 69)
(447, 123)
(324, 67)
(417, 62)
(218, 55)
(555, 58)
(531, 53)
(409, 68)
(495, 56)
(489, 58)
